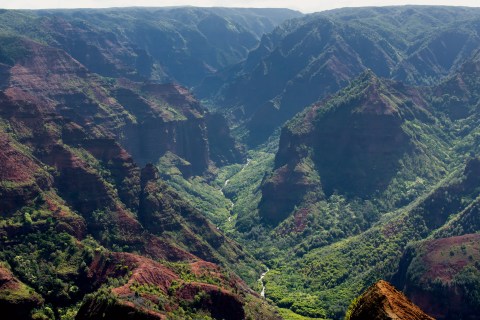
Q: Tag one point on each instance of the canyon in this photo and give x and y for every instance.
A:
(227, 163)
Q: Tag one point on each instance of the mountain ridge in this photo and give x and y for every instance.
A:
(324, 51)
(344, 150)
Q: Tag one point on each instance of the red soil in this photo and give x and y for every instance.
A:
(15, 166)
(7, 280)
(444, 258)
(160, 249)
(144, 271)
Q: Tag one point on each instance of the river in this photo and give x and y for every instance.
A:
(262, 293)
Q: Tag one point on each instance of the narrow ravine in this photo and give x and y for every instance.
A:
(225, 184)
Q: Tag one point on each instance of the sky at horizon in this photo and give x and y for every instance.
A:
(305, 6)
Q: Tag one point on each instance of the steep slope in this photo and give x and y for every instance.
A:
(343, 234)
(79, 191)
(150, 290)
(374, 140)
(148, 119)
(458, 95)
(167, 44)
(337, 272)
(167, 118)
(382, 301)
(441, 276)
(351, 145)
(89, 227)
(16, 299)
(70, 193)
(445, 268)
(93, 173)
(307, 59)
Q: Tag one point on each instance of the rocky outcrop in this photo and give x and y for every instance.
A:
(141, 271)
(152, 139)
(169, 213)
(156, 213)
(170, 119)
(167, 119)
(22, 178)
(383, 302)
(77, 183)
(110, 308)
(223, 149)
(286, 188)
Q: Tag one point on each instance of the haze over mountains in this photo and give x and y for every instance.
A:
(325, 51)
(154, 162)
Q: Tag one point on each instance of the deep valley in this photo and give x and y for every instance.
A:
(224, 163)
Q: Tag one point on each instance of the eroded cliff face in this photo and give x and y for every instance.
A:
(169, 119)
(72, 191)
(147, 119)
(77, 185)
(18, 182)
(383, 302)
(180, 129)
(94, 175)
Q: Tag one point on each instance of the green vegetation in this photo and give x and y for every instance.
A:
(18, 294)
(289, 314)
(326, 51)
(243, 189)
(331, 203)
(49, 262)
(11, 50)
(331, 248)
(207, 198)
(231, 198)
(334, 274)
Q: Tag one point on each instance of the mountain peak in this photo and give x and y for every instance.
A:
(378, 97)
(368, 75)
(369, 94)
